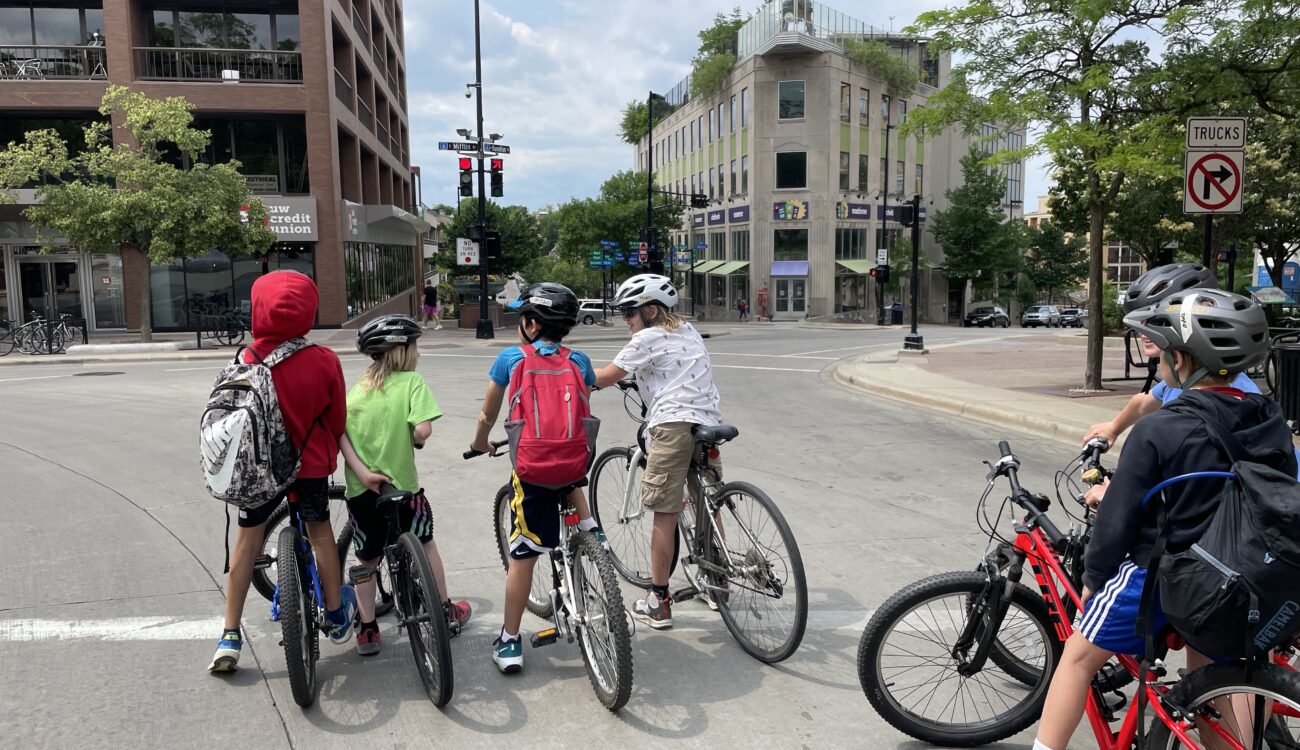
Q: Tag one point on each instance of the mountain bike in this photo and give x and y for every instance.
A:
(420, 606)
(928, 659)
(583, 599)
(741, 556)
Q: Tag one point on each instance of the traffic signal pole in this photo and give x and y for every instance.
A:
(914, 341)
(484, 329)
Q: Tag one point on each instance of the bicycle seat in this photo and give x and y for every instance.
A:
(714, 435)
(393, 496)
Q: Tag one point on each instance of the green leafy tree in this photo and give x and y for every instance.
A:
(716, 56)
(520, 240)
(979, 243)
(1270, 218)
(1081, 71)
(108, 198)
(617, 214)
(900, 75)
(584, 281)
(1055, 261)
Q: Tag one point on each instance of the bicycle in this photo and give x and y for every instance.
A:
(35, 337)
(7, 340)
(419, 604)
(753, 582)
(978, 620)
(583, 599)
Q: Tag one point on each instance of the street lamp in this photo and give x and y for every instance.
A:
(463, 132)
(915, 341)
(656, 262)
(484, 329)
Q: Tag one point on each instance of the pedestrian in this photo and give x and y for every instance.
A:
(743, 306)
(762, 302)
(390, 413)
(673, 371)
(431, 305)
(310, 388)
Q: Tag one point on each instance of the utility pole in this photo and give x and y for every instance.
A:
(884, 219)
(656, 261)
(914, 341)
(484, 329)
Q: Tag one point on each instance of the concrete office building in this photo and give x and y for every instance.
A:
(802, 159)
(310, 97)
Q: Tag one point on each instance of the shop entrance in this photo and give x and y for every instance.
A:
(48, 288)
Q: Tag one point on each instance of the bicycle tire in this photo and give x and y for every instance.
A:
(8, 342)
(760, 574)
(425, 619)
(629, 540)
(539, 596)
(880, 688)
(297, 620)
(612, 690)
(1216, 680)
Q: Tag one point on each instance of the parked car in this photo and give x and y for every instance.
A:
(1073, 317)
(591, 310)
(987, 316)
(1041, 315)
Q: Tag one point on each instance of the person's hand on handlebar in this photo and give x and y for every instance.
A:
(483, 446)
(1101, 429)
(1096, 493)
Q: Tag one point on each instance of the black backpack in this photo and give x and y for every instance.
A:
(1236, 591)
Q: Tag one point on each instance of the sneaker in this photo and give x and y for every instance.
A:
(368, 639)
(227, 657)
(342, 619)
(653, 611)
(508, 655)
(458, 614)
(599, 533)
(438, 327)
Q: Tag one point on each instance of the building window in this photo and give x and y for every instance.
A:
(375, 273)
(846, 102)
(225, 30)
(717, 246)
(920, 179)
(864, 109)
(902, 112)
(791, 170)
(216, 283)
(70, 27)
(721, 107)
(900, 177)
(740, 244)
(734, 186)
(884, 112)
(739, 288)
(744, 175)
(692, 184)
(790, 98)
(844, 170)
(718, 290)
(711, 175)
(722, 181)
(863, 185)
(699, 129)
(888, 237)
(850, 292)
(710, 125)
(884, 174)
(744, 108)
(731, 121)
(790, 244)
(851, 244)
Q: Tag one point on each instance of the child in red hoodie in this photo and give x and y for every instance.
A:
(313, 400)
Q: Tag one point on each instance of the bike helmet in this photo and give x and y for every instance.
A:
(1225, 332)
(386, 332)
(549, 302)
(1162, 281)
(645, 288)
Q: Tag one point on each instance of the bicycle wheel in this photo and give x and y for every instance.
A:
(766, 601)
(601, 622)
(1219, 699)
(539, 598)
(8, 341)
(25, 340)
(909, 674)
(424, 618)
(626, 529)
(297, 619)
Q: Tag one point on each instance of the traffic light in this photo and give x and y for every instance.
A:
(881, 274)
(699, 200)
(492, 244)
(905, 214)
(466, 177)
(498, 188)
(872, 272)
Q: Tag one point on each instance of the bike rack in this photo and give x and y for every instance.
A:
(1133, 358)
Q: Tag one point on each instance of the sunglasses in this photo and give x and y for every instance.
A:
(627, 312)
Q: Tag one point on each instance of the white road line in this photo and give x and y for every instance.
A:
(38, 377)
(751, 367)
(218, 366)
(112, 629)
(844, 349)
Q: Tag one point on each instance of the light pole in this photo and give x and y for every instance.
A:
(884, 219)
(915, 341)
(484, 328)
(655, 260)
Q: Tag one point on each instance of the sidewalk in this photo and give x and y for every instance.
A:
(1029, 384)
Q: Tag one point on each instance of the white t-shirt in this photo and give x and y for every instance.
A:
(676, 378)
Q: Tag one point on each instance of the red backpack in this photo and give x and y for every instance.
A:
(552, 433)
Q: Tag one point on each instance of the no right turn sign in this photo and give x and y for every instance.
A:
(1214, 182)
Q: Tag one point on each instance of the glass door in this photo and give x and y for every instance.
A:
(783, 296)
(49, 289)
(798, 295)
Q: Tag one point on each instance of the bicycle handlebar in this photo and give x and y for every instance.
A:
(471, 453)
(1035, 506)
(628, 385)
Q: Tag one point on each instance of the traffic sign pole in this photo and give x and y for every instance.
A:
(1215, 167)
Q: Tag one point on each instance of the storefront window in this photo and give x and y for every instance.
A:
(718, 291)
(214, 283)
(167, 290)
(790, 244)
(106, 287)
(850, 292)
(376, 273)
(739, 287)
(718, 246)
(257, 149)
(740, 244)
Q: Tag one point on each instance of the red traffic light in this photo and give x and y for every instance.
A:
(466, 163)
(872, 273)
(498, 164)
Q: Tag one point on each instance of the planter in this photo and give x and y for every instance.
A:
(468, 289)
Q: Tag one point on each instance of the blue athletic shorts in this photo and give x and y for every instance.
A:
(1109, 620)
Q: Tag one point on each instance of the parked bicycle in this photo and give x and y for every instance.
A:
(741, 556)
(964, 659)
(579, 593)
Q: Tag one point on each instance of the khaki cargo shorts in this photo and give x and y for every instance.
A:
(668, 467)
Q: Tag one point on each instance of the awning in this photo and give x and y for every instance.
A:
(789, 268)
(705, 266)
(857, 266)
(389, 216)
(729, 267)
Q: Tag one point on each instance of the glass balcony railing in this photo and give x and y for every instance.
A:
(207, 64)
(360, 25)
(343, 89)
(800, 17)
(366, 115)
(23, 62)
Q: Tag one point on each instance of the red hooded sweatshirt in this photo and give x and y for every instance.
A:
(309, 384)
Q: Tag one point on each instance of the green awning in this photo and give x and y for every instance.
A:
(857, 266)
(729, 267)
(705, 266)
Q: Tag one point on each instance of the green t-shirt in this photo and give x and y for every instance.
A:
(379, 426)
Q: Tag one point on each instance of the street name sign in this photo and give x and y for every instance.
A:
(457, 146)
(495, 148)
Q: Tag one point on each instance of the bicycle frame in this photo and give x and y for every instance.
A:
(304, 553)
(561, 560)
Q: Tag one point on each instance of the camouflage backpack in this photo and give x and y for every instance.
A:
(247, 457)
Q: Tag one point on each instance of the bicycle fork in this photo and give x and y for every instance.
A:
(983, 621)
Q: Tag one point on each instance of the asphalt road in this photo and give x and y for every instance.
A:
(111, 602)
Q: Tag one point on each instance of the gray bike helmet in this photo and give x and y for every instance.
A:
(1225, 332)
(386, 332)
(1162, 281)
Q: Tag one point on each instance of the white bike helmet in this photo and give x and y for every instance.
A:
(644, 288)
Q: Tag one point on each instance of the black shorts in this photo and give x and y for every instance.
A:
(535, 518)
(311, 496)
(373, 530)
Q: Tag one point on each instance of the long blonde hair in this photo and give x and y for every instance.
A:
(664, 318)
(397, 359)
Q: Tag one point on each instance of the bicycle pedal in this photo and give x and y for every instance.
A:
(361, 574)
(263, 562)
(683, 594)
(544, 637)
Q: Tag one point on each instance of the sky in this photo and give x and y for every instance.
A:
(556, 76)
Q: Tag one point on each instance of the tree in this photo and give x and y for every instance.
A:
(1081, 71)
(979, 243)
(1055, 262)
(106, 198)
(1270, 219)
(520, 240)
(584, 282)
(716, 56)
(899, 74)
(617, 214)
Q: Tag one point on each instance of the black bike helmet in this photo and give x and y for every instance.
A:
(386, 332)
(549, 302)
(1162, 281)
(1225, 332)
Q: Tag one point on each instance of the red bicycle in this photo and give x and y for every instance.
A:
(965, 658)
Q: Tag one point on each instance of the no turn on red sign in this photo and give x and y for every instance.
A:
(1214, 182)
